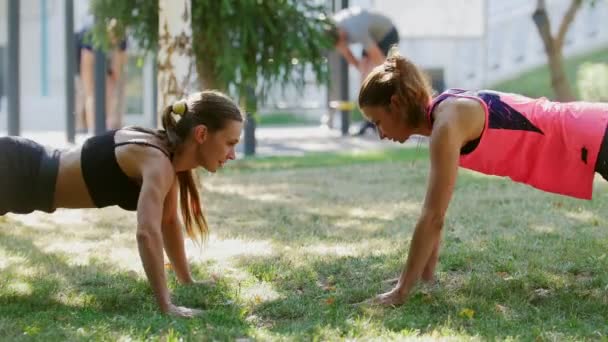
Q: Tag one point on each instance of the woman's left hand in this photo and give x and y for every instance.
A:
(393, 297)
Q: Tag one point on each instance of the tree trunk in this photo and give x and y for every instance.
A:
(208, 79)
(175, 58)
(559, 80)
(553, 47)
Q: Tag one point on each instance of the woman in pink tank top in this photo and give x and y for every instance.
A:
(554, 147)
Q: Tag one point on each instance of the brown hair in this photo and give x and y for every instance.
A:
(212, 109)
(398, 76)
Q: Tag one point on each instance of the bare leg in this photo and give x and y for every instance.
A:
(87, 69)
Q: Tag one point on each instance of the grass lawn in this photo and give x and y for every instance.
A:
(275, 119)
(297, 242)
(284, 118)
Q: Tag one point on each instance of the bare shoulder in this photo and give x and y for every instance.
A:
(156, 170)
(467, 115)
(153, 160)
(459, 108)
(141, 162)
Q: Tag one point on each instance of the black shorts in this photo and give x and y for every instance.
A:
(28, 173)
(385, 45)
(601, 164)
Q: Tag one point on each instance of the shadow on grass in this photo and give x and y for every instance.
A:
(45, 297)
(534, 300)
(353, 204)
(524, 262)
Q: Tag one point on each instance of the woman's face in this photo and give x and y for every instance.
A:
(216, 148)
(389, 122)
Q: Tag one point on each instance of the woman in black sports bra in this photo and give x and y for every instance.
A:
(137, 169)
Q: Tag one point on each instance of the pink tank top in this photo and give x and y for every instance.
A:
(548, 145)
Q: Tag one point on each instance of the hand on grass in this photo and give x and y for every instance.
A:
(393, 297)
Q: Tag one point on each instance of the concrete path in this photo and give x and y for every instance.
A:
(271, 141)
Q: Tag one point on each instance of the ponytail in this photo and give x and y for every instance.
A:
(413, 89)
(189, 199)
(398, 76)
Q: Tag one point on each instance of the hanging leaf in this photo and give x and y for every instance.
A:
(238, 44)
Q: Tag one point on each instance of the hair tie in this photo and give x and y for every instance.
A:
(392, 53)
(179, 108)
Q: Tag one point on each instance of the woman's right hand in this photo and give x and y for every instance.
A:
(182, 311)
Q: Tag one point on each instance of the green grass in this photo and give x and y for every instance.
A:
(293, 119)
(284, 118)
(328, 159)
(537, 82)
(296, 243)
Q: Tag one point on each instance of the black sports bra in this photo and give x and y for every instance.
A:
(107, 183)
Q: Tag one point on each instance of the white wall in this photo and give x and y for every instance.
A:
(514, 45)
(508, 46)
(37, 109)
(40, 111)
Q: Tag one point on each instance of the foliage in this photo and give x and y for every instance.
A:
(138, 17)
(238, 45)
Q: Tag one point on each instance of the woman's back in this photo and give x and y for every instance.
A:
(106, 170)
(537, 141)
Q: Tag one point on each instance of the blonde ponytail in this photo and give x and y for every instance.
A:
(212, 109)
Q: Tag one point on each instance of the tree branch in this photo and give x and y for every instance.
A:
(575, 5)
(541, 19)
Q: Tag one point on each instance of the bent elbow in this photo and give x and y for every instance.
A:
(146, 235)
(433, 219)
(143, 236)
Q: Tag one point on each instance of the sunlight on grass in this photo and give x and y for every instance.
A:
(75, 299)
(224, 249)
(43, 221)
(383, 211)
(263, 193)
(582, 215)
(7, 259)
(19, 287)
(260, 293)
(337, 250)
(341, 250)
(294, 250)
(76, 248)
(542, 228)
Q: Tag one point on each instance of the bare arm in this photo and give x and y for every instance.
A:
(156, 183)
(428, 274)
(173, 237)
(444, 150)
(454, 125)
(365, 67)
(375, 54)
(348, 55)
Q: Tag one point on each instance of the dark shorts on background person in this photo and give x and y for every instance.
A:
(385, 45)
(28, 173)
